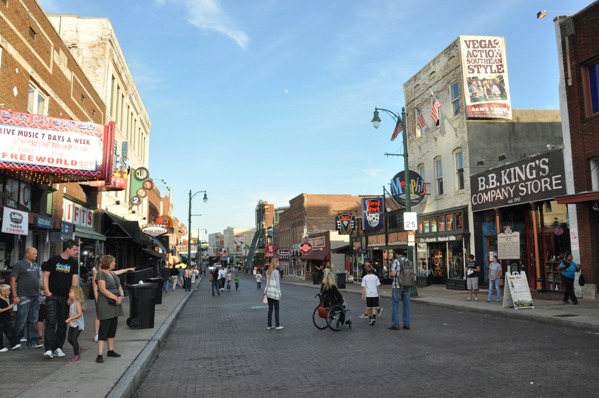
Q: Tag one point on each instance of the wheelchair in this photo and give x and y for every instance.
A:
(334, 317)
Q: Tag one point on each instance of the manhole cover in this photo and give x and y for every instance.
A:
(565, 315)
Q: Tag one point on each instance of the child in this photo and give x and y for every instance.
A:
(6, 326)
(75, 321)
(236, 281)
(259, 279)
(371, 294)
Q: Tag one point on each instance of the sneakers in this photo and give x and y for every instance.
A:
(406, 327)
(279, 327)
(48, 354)
(16, 347)
(363, 316)
(37, 345)
(468, 299)
(270, 327)
(75, 358)
(113, 354)
(96, 338)
(372, 321)
(59, 353)
(393, 327)
(100, 359)
(4, 349)
(380, 311)
(23, 340)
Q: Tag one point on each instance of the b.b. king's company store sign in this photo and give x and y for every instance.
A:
(538, 178)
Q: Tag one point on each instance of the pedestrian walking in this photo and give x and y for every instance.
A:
(399, 292)
(165, 273)
(75, 320)
(236, 280)
(259, 279)
(214, 281)
(472, 278)
(229, 277)
(494, 273)
(273, 293)
(371, 294)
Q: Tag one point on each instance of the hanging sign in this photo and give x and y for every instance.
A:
(305, 248)
(345, 224)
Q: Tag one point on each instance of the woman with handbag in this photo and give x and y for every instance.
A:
(272, 291)
(109, 306)
(568, 268)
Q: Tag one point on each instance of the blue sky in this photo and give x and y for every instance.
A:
(268, 99)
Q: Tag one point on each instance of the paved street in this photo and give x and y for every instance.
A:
(219, 346)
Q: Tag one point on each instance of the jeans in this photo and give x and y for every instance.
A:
(165, 284)
(57, 312)
(73, 338)
(215, 287)
(273, 303)
(27, 314)
(402, 293)
(497, 284)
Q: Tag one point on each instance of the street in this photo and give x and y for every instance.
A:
(219, 346)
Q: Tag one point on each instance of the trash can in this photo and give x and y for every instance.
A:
(142, 306)
(159, 282)
(316, 278)
(341, 280)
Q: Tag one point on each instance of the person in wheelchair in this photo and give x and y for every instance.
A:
(330, 295)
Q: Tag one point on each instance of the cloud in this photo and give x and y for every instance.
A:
(208, 15)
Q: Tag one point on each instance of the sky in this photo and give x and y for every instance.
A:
(266, 99)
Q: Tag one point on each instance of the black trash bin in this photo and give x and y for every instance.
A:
(142, 306)
(316, 280)
(341, 280)
(159, 282)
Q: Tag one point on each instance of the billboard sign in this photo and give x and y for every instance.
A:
(486, 86)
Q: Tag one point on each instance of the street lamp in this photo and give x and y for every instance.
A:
(191, 196)
(400, 124)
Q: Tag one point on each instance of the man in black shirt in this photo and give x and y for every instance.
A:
(60, 273)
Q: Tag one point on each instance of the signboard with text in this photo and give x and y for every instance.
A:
(535, 179)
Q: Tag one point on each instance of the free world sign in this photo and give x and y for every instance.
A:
(534, 179)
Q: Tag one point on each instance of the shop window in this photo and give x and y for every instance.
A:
(459, 167)
(439, 176)
(455, 98)
(595, 173)
(37, 102)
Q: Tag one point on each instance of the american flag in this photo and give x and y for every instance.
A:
(420, 118)
(398, 129)
(435, 110)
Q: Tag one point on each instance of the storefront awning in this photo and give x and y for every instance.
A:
(580, 197)
(153, 253)
(121, 228)
(86, 233)
(318, 255)
(343, 249)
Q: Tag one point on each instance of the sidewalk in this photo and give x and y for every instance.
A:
(583, 316)
(25, 373)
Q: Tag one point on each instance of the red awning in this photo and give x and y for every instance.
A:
(318, 255)
(580, 197)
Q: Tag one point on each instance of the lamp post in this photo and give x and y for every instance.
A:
(191, 196)
(400, 121)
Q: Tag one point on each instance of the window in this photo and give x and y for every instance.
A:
(439, 176)
(594, 86)
(455, 98)
(459, 166)
(37, 102)
(420, 170)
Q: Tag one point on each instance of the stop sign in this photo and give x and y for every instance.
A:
(305, 248)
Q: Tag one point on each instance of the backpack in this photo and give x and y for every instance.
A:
(405, 278)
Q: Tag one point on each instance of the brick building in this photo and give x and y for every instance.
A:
(38, 75)
(578, 50)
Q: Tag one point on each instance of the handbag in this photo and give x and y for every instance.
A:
(581, 281)
(264, 299)
(111, 301)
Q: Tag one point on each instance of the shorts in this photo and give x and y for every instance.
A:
(472, 283)
(372, 302)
